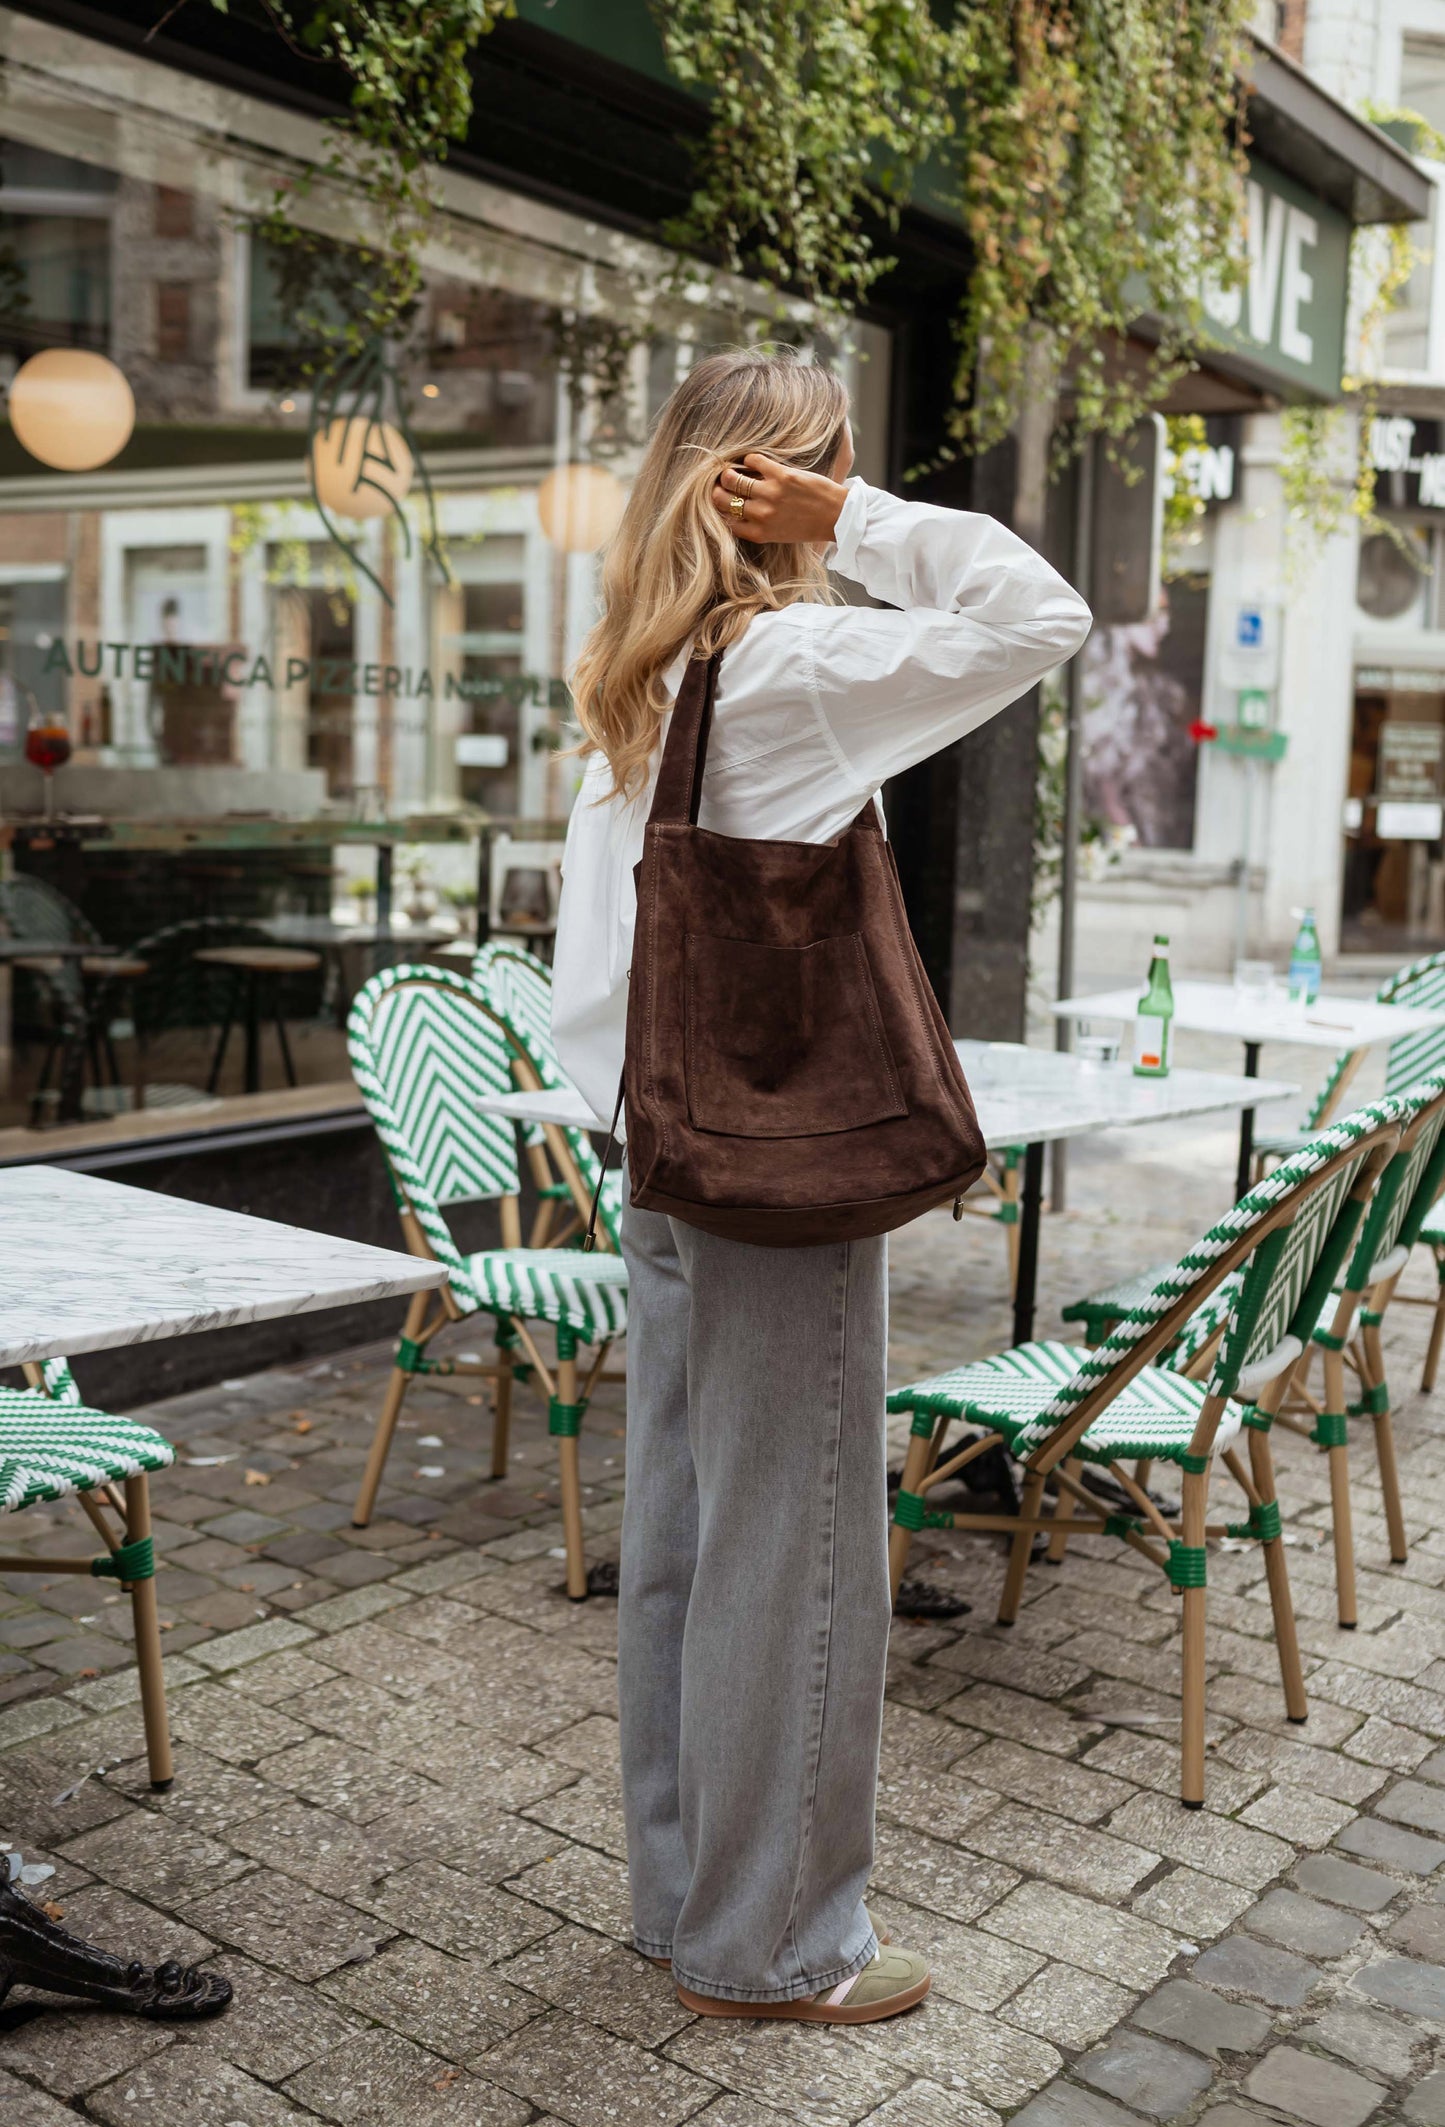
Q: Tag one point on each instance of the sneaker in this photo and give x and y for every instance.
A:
(893, 1982)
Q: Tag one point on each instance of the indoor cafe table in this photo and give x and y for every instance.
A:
(1028, 1097)
(1331, 1022)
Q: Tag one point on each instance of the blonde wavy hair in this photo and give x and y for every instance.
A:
(675, 570)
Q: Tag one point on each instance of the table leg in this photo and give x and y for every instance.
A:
(1030, 1207)
(1246, 1126)
(253, 1032)
(385, 860)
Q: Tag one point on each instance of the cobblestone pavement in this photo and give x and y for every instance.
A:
(396, 1820)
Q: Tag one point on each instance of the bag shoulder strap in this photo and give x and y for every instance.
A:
(677, 794)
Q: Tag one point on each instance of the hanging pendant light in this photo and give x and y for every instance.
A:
(360, 468)
(72, 409)
(580, 507)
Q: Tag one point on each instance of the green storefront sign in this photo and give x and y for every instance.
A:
(1287, 319)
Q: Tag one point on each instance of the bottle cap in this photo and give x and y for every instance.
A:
(1160, 939)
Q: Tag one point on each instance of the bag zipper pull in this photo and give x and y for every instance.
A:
(958, 1207)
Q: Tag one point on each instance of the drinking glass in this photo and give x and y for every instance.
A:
(47, 747)
(1254, 981)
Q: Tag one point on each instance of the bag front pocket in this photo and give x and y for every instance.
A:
(785, 1041)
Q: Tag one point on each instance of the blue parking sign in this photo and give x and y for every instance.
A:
(1249, 628)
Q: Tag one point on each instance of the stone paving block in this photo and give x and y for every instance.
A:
(979, 1970)
(230, 1726)
(1094, 1862)
(236, 1648)
(781, 2065)
(356, 1604)
(1070, 2105)
(18, 1724)
(341, 1859)
(1302, 1818)
(584, 2075)
(1197, 2017)
(1157, 2079)
(932, 1802)
(163, 1861)
(103, 1694)
(282, 1923)
(449, 2005)
(1385, 1743)
(1068, 2007)
(590, 1811)
(24, 2106)
(1310, 2089)
(438, 1575)
(182, 2088)
(382, 2080)
(405, 1667)
(1363, 1693)
(1404, 1983)
(277, 1677)
(455, 1913)
(1345, 1883)
(1366, 2038)
(922, 2104)
(1035, 1722)
(1299, 1923)
(963, 2050)
(343, 1777)
(601, 1981)
(1045, 1782)
(1118, 1946)
(31, 1784)
(1198, 1907)
(1433, 1767)
(1425, 2104)
(1242, 1966)
(115, 1921)
(1216, 1845)
(273, 2027)
(939, 1877)
(243, 1525)
(1415, 1803)
(69, 2051)
(592, 1745)
(1391, 1845)
(1420, 1932)
(582, 1886)
(1018, 1664)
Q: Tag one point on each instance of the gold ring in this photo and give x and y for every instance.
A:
(737, 504)
(746, 490)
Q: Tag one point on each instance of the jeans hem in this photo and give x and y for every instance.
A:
(796, 1990)
(651, 1949)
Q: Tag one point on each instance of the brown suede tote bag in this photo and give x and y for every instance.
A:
(789, 1076)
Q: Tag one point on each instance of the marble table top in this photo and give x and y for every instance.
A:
(1217, 1008)
(1023, 1096)
(87, 1264)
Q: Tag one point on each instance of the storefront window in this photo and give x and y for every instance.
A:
(264, 721)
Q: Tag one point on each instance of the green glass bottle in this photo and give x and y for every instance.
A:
(1306, 966)
(1153, 1017)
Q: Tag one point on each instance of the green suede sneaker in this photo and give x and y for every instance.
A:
(893, 1982)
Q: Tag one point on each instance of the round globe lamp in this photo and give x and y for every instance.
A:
(360, 468)
(580, 507)
(71, 409)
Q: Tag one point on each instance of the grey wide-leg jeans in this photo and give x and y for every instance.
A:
(754, 1605)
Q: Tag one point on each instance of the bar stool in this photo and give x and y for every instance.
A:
(254, 965)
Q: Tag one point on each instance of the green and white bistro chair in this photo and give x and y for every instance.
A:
(53, 1446)
(1432, 1235)
(1414, 1056)
(518, 988)
(1407, 1191)
(1055, 1405)
(423, 1046)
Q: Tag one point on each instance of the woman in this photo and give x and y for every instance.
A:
(754, 1585)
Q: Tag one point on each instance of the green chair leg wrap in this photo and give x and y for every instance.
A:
(1371, 1317)
(1187, 1565)
(132, 1562)
(1264, 1523)
(1195, 1465)
(1330, 1430)
(1006, 1213)
(1328, 1341)
(1257, 1420)
(911, 1512)
(1120, 1524)
(507, 1340)
(564, 1420)
(1373, 1403)
(923, 1424)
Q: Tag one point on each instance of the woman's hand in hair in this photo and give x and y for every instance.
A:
(781, 506)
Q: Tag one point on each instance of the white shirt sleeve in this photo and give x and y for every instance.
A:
(982, 617)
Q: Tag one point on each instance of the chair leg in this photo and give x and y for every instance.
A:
(564, 1421)
(1286, 1640)
(289, 1066)
(1194, 1495)
(220, 1056)
(396, 1389)
(1437, 1327)
(1331, 1427)
(916, 1465)
(1023, 1543)
(502, 1400)
(1378, 1392)
(146, 1621)
(1009, 1195)
(1064, 1505)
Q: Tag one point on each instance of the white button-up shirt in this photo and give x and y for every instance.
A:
(816, 706)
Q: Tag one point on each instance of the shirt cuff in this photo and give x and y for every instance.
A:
(849, 530)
